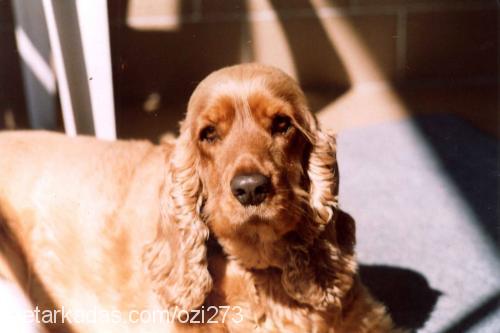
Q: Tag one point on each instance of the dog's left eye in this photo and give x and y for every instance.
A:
(280, 125)
(208, 134)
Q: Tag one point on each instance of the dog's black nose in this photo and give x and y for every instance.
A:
(250, 189)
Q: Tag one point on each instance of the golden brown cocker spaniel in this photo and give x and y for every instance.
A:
(232, 227)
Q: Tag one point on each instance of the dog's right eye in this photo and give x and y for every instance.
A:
(208, 134)
(280, 125)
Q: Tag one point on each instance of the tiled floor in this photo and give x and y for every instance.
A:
(424, 194)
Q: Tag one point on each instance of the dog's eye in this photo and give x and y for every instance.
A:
(208, 134)
(281, 125)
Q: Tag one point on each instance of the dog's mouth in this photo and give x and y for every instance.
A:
(278, 214)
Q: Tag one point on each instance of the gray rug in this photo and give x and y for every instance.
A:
(424, 194)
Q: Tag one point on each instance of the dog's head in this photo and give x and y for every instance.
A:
(251, 166)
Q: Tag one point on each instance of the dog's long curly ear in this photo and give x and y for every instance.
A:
(324, 176)
(176, 260)
(321, 270)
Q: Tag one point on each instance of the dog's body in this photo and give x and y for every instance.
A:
(105, 226)
(75, 216)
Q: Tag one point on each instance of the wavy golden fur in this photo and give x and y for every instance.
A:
(143, 227)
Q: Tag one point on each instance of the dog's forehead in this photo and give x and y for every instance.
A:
(251, 96)
(238, 89)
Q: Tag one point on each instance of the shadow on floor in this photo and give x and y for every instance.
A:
(470, 159)
(406, 293)
(480, 312)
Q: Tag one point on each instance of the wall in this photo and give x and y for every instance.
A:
(162, 48)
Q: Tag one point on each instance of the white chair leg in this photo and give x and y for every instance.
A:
(93, 19)
(79, 37)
